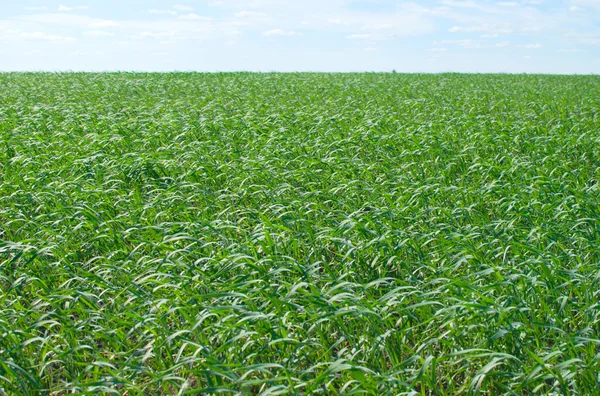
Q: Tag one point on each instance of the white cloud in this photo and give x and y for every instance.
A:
(250, 14)
(372, 36)
(575, 9)
(36, 53)
(407, 20)
(491, 29)
(245, 4)
(463, 43)
(569, 50)
(461, 4)
(473, 5)
(45, 36)
(104, 23)
(161, 36)
(280, 32)
(377, 26)
(336, 21)
(160, 29)
(582, 38)
(89, 53)
(183, 8)
(152, 32)
(72, 8)
(156, 35)
(331, 19)
(456, 29)
(194, 17)
(592, 41)
(63, 20)
(587, 3)
(162, 12)
(98, 33)
(36, 8)
(360, 36)
(531, 46)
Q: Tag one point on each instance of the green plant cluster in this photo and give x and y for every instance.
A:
(302, 233)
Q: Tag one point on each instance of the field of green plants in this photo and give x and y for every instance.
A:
(301, 233)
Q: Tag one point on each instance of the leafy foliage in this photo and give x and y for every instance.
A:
(299, 233)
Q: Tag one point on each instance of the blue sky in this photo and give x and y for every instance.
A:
(533, 36)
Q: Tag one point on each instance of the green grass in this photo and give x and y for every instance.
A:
(299, 234)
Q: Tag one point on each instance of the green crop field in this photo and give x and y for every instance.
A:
(301, 233)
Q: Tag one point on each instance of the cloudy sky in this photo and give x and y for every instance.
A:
(543, 36)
